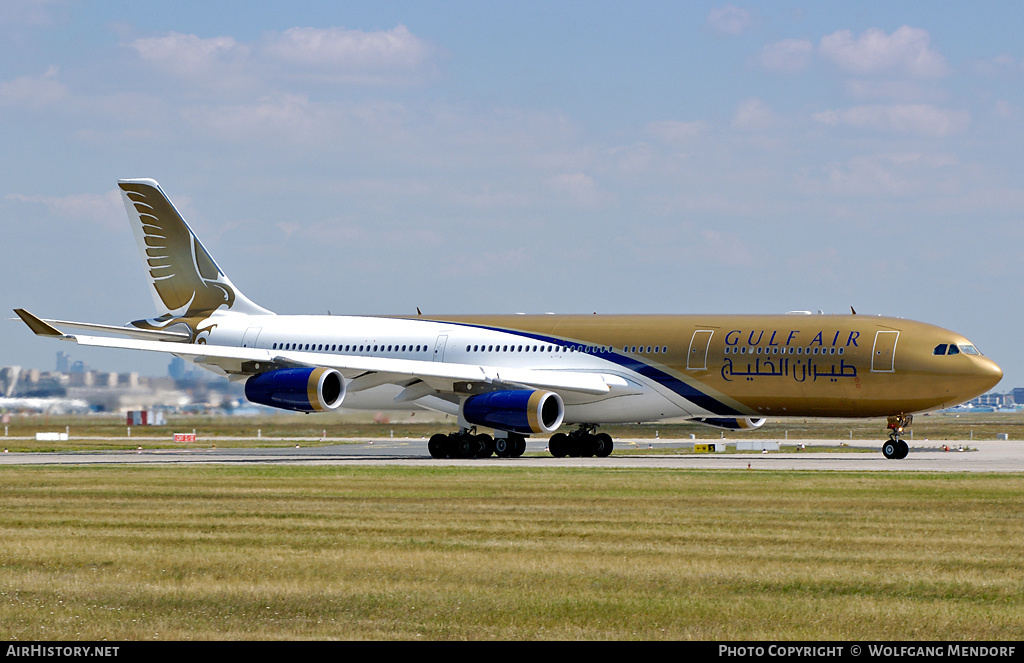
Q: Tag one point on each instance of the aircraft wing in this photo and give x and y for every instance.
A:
(362, 371)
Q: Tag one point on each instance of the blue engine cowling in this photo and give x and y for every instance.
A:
(731, 423)
(301, 389)
(518, 411)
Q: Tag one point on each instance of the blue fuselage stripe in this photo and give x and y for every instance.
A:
(670, 382)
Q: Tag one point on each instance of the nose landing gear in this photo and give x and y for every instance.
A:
(895, 448)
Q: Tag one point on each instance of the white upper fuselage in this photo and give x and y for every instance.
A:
(631, 397)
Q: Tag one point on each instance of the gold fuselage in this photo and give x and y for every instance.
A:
(779, 365)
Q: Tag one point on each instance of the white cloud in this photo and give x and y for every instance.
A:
(786, 55)
(33, 92)
(920, 119)
(675, 132)
(187, 55)
(1003, 64)
(331, 54)
(907, 51)
(1004, 110)
(349, 55)
(581, 188)
(895, 174)
(902, 90)
(753, 115)
(19, 13)
(106, 210)
(729, 20)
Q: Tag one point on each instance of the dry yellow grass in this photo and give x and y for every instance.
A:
(507, 553)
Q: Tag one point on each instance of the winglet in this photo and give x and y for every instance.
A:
(38, 327)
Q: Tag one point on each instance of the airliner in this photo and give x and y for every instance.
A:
(530, 375)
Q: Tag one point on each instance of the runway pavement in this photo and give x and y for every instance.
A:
(859, 456)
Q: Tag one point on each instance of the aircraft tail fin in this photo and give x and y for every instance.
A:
(184, 279)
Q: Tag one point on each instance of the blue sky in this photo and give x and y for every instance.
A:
(523, 156)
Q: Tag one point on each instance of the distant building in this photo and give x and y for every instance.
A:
(990, 400)
(176, 369)
(63, 363)
(82, 378)
(9, 379)
(129, 380)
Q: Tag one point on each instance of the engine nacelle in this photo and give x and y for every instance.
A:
(301, 389)
(731, 423)
(517, 411)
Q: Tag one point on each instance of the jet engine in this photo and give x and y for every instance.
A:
(517, 410)
(731, 423)
(301, 389)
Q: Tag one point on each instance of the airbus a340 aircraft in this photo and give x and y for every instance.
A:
(524, 375)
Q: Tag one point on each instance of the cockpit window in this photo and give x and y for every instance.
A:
(955, 349)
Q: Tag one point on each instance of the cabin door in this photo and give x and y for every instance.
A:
(442, 340)
(251, 334)
(883, 354)
(697, 358)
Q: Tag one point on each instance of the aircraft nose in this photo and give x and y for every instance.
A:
(986, 373)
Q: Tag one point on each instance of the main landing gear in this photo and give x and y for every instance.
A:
(468, 444)
(581, 442)
(895, 448)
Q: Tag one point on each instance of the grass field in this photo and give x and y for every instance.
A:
(251, 552)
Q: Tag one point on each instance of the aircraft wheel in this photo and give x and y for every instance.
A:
(890, 450)
(603, 445)
(486, 443)
(558, 445)
(438, 445)
(465, 446)
(902, 449)
(503, 447)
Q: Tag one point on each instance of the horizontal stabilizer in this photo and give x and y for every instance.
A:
(38, 326)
